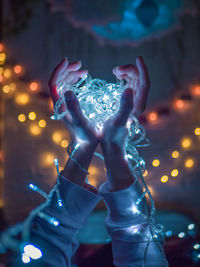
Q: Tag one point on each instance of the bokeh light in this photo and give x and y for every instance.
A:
(48, 159)
(145, 173)
(18, 69)
(64, 143)
(164, 178)
(186, 142)
(32, 116)
(93, 170)
(21, 117)
(152, 116)
(42, 123)
(1, 47)
(174, 173)
(13, 87)
(7, 73)
(197, 131)
(57, 137)
(34, 86)
(189, 163)
(175, 154)
(2, 57)
(195, 90)
(35, 129)
(6, 89)
(22, 99)
(156, 162)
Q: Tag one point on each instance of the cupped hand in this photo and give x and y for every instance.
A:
(136, 78)
(81, 130)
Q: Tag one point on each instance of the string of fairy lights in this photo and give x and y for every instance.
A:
(11, 79)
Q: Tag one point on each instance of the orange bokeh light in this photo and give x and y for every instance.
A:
(18, 69)
(1, 47)
(51, 104)
(34, 86)
(152, 116)
(179, 104)
(195, 90)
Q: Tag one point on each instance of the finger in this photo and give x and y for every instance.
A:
(73, 107)
(55, 77)
(126, 105)
(74, 76)
(144, 85)
(74, 66)
(129, 70)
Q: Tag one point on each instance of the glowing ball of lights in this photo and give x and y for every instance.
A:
(33, 252)
(186, 142)
(181, 235)
(175, 154)
(98, 99)
(189, 163)
(22, 99)
(156, 163)
(32, 116)
(174, 173)
(35, 129)
(196, 246)
(21, 117)
(164, 179)
(42, 123)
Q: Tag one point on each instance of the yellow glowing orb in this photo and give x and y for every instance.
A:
(1, 70)
(175, 154)
(32, 116)
(42, 123)
(7, 73)
(22, 99)
(186, 142)
(189, 163)
(64, 143)
(13, 87)
(57, 137)
(35, 129)
(2, 56)
(174, 173)
(6, 89)
(145, 173)
(156, 162)
(48, 159)
(197, 131)
(164, 178)
(21, 117)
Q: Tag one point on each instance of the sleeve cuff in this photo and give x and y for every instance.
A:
(78, 203)
(122, 206)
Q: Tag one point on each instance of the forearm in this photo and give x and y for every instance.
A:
(83, 155)
(118, 171)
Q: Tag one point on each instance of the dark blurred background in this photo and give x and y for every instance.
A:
(35, 36)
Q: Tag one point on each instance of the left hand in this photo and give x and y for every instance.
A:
(80, 128)
(136, 78)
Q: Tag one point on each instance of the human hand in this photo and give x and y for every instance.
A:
(80, 128)
(136, 78)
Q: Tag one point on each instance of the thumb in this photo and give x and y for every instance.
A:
(126, 106)
(73, 107)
